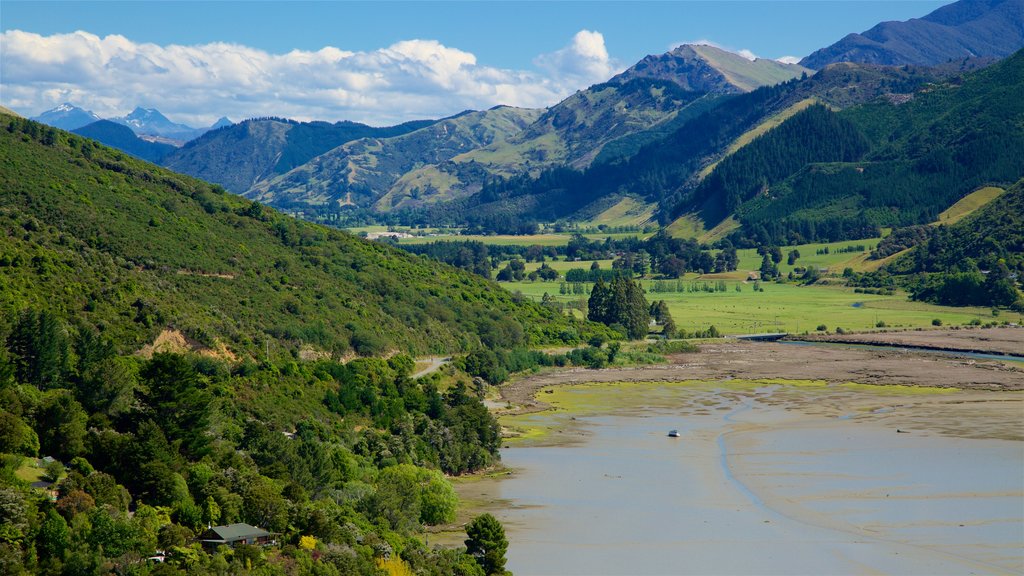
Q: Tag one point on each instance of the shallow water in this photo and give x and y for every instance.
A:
(770, 481)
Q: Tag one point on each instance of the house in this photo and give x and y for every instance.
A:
(234, 534)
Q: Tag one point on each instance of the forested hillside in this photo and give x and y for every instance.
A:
(977, 261)
(927, 151)
(103, 239)
(121, 137)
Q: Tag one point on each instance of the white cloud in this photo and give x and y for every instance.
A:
(582, 63)
(789, 59)
(197, 84)
(747, 54)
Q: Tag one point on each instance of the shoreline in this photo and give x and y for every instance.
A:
(727, 360)
(994, 341)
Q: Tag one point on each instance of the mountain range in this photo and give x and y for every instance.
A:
(968, 28)
(661, 132)
(145, 122)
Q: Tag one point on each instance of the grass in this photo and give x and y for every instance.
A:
(834, 261)
(686, 226)
(552, 239)
(29, 471)
(968, 204)
(626, 212)
(785, 308)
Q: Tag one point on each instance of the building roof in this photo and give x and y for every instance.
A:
(233, 532)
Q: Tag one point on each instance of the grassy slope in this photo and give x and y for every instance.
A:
(968, 205)
(747, 74)
(626, 212)
(132, 248)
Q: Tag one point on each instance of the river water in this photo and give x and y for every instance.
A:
(768, 479)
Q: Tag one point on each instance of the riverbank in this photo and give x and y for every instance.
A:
(1004, 340)
(727, 360)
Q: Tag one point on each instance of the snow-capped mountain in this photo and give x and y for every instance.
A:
(150, 122)
(67, 117)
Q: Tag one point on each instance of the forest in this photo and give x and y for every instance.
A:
(344, 463)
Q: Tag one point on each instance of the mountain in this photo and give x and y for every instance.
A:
(704, 68)
(135, 250)
(150, 121)
(67, 117)
(967, 28)
(654, 92)
(662, 165)
(121, 137)
(9, 112)
(360, 172)
(239, 156)
(222, 122)
(924, 152)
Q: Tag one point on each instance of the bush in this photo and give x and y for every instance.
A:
(822, 328)
(880, 324)
(937, 322)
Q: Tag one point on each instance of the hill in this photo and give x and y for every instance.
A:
(112, 242)
(704, 68)
(241, 155)
(121, 137)
(926, 152)
(967, 28)
(362, 171)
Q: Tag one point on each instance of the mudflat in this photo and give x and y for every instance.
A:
(985, 340)
(732, 359)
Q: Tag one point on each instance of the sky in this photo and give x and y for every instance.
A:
(377, 62)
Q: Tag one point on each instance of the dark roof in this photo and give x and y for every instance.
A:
(233, 532)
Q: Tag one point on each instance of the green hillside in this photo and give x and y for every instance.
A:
(362, 171)
(102, 238)
(976, 261)
(928, 150)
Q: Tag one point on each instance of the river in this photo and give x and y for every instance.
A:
(766, 478)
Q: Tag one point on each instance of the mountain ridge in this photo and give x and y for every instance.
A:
(968, 28)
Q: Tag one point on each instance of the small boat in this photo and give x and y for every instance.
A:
(673, 433)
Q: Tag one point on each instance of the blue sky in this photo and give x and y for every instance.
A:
(524, 53)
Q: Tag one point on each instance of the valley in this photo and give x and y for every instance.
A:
(450, 302)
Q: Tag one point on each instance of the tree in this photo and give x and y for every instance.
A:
(598, 304)
(60, 424)
(999, 287)
(768, 268)
(669, 329)
(179, 403)
(792, 257)
(41, 348)
(487, 543)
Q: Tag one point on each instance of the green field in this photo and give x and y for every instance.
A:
(787, 308)
(552, 239)
(834, 261)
